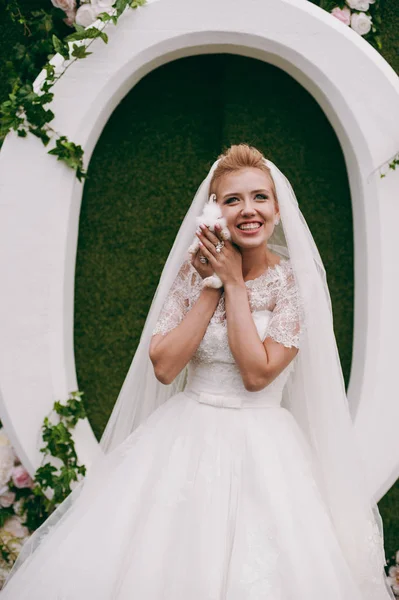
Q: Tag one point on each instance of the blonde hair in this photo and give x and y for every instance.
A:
(240, 156)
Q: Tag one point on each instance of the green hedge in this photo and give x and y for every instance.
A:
(150, 159)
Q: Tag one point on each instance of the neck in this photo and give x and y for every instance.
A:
(255, 260)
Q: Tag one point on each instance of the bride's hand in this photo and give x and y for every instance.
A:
(204, 269)
(227, 264)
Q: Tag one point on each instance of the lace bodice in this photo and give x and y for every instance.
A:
(275, 308)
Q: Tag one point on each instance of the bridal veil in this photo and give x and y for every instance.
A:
(315, 395)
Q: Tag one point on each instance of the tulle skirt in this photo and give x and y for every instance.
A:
(199, 503)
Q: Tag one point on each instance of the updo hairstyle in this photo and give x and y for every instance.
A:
(239, 156)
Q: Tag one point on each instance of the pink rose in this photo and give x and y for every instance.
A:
(342, 14)
(70, 18)
(65, 5)
(21, 477)
(7, 499)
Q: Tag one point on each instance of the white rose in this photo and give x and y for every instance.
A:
(7, 458)
(4, 441)
(65, 5)
(358, 4)
(19, 507)
(102, 5)
(7, 499)
(361, 23)
(85, 15)
(4, 574)
(14, 526)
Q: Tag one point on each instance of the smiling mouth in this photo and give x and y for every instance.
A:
(250, 229)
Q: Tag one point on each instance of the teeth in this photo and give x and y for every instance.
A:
(250, 226)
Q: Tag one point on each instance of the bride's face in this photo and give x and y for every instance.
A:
(247, 195)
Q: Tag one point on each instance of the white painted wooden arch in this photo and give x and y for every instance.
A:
(40, 200)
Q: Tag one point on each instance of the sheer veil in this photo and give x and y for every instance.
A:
(315, 395)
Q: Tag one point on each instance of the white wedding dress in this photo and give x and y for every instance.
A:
(213, 497)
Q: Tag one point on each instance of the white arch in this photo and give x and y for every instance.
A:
(40, 200)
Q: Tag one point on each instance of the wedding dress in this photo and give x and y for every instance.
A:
(212, 497)
(207, 491)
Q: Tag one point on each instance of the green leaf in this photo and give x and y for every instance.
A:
(41, 134)
(105, 17)
(50, 71)
(120, 6)
(79, 28)
(87, 34)
(80, 51)
(60, 47)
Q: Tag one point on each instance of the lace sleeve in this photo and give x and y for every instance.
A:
(284, 325)
(176, 303)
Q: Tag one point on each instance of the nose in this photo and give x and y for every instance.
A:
(248, 208)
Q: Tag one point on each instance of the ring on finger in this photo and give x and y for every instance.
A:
(219, 246)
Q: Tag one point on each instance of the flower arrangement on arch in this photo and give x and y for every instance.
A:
(356, 14)
(83, 12)
(393, 575)
(25, 501)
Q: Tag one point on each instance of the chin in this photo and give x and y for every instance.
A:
(249, 243)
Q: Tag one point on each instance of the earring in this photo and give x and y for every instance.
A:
(277, 221)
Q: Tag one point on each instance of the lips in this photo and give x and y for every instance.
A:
(249, 232)
(248, 223)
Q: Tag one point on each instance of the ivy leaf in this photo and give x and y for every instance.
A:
(106, 17)
(45, 475)
(79, 28)
(5, 513)
(50, 71)
(60, 47)
(71, 154)
(120, 6)
(37, 115)
(41, 134)
(80, 51)
(87, 34)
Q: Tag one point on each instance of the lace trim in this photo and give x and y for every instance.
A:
(273, 290)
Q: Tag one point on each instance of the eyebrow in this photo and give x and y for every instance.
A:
(238, 193)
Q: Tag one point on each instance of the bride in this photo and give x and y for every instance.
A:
(229, 468)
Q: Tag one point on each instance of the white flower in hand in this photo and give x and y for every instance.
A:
(360, 23)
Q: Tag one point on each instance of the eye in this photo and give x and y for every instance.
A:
(232, 198)
(263, 196)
